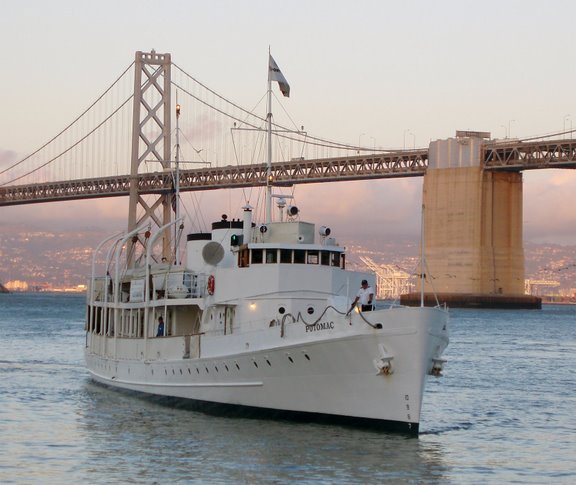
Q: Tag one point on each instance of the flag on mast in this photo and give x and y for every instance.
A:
(276, 75)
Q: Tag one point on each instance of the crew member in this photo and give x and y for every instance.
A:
(365, 297)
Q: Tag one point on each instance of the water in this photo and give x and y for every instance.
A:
(502, 413)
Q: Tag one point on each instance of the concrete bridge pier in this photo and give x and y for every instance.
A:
(473, 245)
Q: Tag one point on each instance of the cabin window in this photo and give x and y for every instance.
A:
(325, 258)
(312, 257)
(335, 259)
(299, 256)
(257, 256)
(286, 256)
(271, 256)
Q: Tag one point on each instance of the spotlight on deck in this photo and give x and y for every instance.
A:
(292, 210)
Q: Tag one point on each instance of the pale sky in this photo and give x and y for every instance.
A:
(365, 71)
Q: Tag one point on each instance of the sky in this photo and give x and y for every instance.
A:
(384, 73)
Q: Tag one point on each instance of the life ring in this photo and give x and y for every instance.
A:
(211, 284)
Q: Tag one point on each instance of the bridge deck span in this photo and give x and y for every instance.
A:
(387, 165)
(505, 155)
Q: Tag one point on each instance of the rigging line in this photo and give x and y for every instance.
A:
(237, 162)
(327, 143)
(285, 112)
(323, 142)
(214, 92)
(194, 148)
(80, 116)
(332, 144)
(205, 103)
(72, 146)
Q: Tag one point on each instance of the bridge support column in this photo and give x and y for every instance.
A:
(472, 230)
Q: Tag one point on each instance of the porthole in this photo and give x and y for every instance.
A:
(216, 369)
(307, 356)
(281, 310)
(207, 371)
(310, 310)
(290, 359)
(189, 372)
(166, 371)
(180, 371)
(255, 363)
(173, 373)
(227, 370)
(197, 370)
(268, 362)
(237, 366)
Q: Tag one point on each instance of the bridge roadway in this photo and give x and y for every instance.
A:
(511, 155)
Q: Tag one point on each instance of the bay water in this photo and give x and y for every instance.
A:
(503, 412)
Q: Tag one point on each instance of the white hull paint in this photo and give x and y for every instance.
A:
(334, 372)
(258, 316)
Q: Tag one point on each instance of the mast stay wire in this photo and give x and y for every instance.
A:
(321, 141)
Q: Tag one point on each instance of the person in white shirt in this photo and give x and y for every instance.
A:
(365, 297)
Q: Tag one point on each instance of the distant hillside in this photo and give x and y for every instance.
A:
(3, 289)
(50, 259)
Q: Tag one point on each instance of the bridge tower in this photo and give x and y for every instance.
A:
(151, 128)
(472, 228)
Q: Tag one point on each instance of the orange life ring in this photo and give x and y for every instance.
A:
(211, 284)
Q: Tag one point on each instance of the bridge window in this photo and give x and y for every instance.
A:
(257, 256)
(335, 259)
(299, 256)
(325, 258)
(312, 257)
(271, 256)
(286, 256)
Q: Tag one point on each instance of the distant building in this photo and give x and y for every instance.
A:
(17, 285)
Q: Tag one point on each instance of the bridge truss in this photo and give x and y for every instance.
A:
(512, 155)
(389, 165)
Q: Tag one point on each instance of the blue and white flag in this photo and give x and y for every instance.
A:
(275, 74)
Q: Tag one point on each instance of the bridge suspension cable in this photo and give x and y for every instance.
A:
(70, 125)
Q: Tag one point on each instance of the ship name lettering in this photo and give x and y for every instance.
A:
(320, 326)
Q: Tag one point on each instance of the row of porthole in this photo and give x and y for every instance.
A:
(310, 310)
(108, 367)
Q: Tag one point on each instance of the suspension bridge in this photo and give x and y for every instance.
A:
(122, 145)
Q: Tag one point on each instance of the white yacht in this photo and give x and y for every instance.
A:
(257, 319)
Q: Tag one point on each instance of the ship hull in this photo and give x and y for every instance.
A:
(346, 370)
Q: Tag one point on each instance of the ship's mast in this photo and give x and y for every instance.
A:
(176, 194)
(269, 158)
